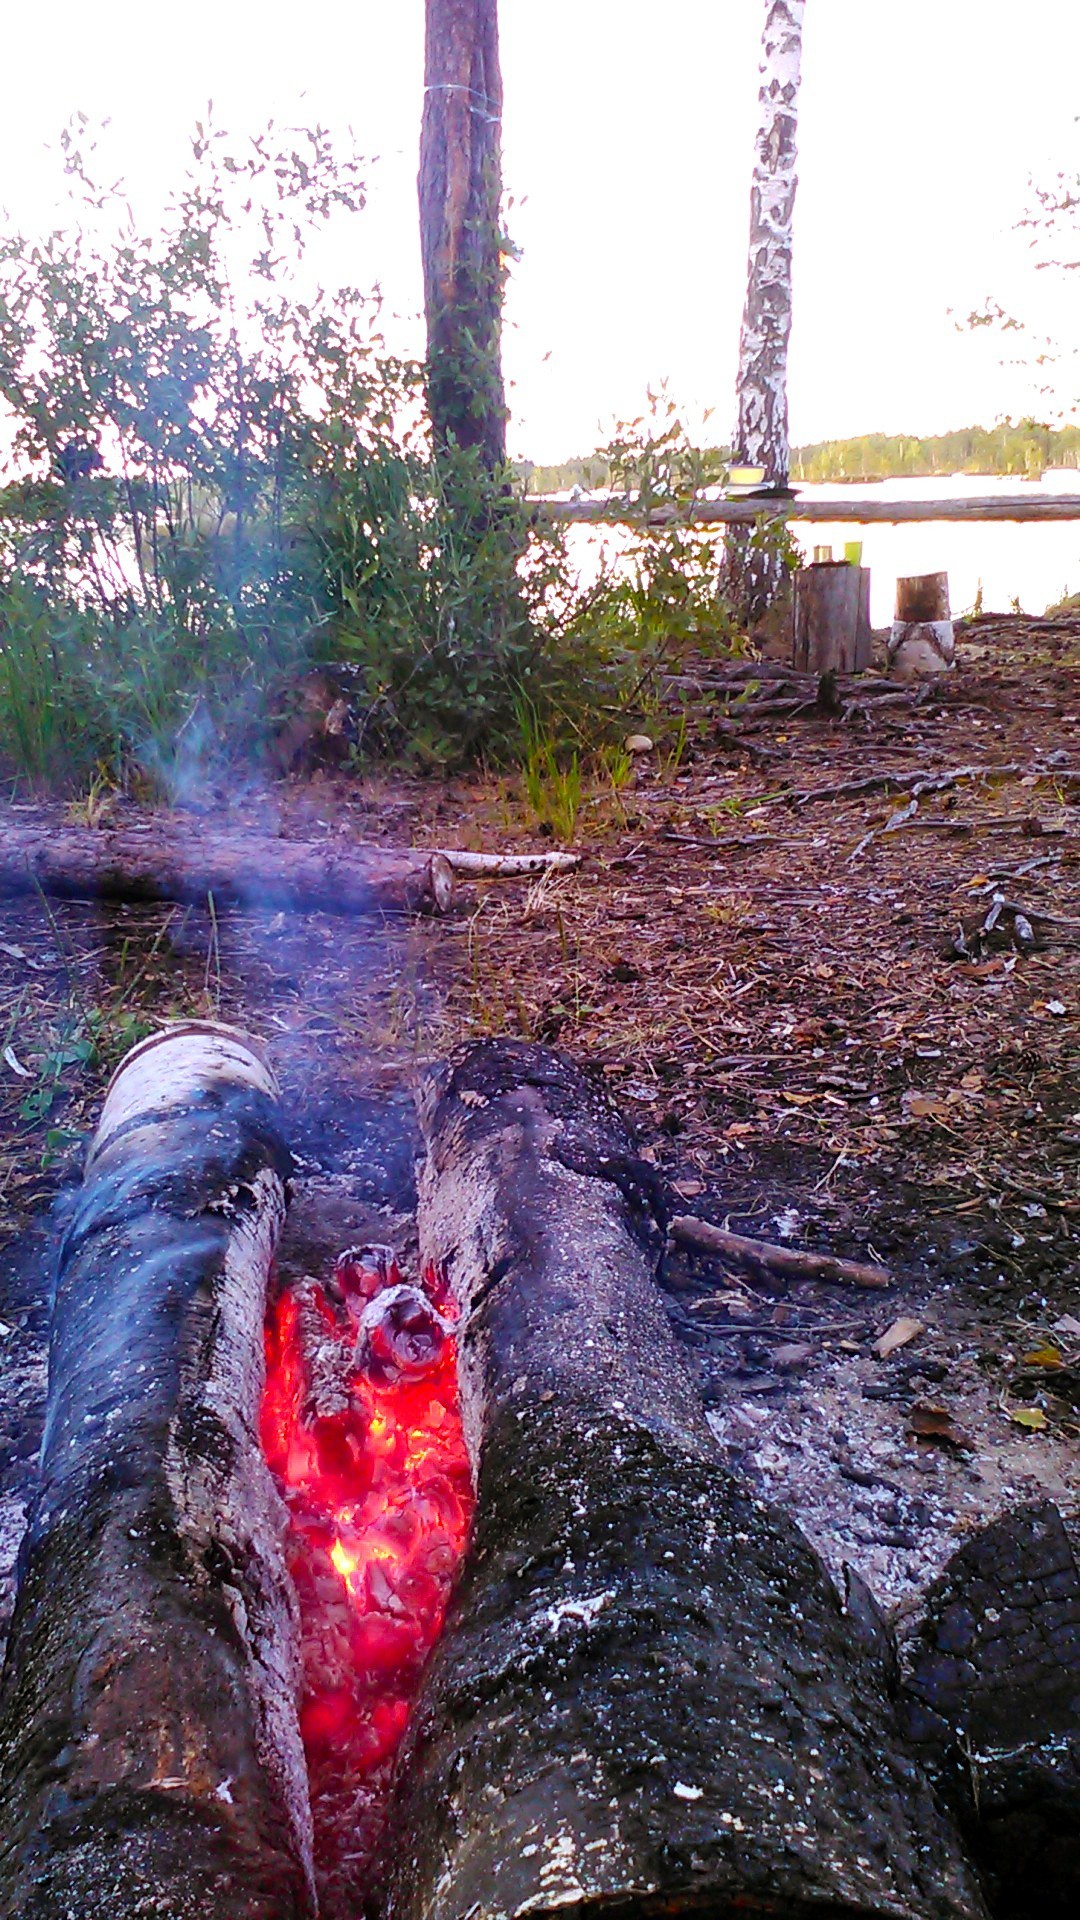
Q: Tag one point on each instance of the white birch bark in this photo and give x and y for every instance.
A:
(761, 433)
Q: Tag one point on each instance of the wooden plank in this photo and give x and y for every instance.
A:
(856, 512)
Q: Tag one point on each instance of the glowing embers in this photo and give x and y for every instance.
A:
(362, 1431)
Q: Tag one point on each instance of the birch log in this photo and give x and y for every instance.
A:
(150, 1757)
(761, 432)
(460, 193)
(647, 1698)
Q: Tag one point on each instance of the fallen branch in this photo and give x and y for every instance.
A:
(702, 1237)
(913, 783)
(510, 866)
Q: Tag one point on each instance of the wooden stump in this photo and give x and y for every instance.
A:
(832, 618)
(648, 1698)
(150, 1757)
(922, 640)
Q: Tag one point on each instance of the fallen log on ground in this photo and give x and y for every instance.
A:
(991, 1694)
(167, 861)
(648, 1698)
(795, 1263)
(150, 1758)
(164, 861)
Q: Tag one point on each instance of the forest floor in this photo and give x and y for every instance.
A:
(841, 1014)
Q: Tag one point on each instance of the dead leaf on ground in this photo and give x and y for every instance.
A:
(1045, 1356)
(1032, 1418)
(934, 1426)
(925, 1106)
(898, 1335)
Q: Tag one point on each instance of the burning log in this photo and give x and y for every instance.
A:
(648, 1697)
(188, 863)
(362, 1431)
(150, 1757)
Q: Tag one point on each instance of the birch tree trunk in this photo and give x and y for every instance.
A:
(460, 193)
(761, 432)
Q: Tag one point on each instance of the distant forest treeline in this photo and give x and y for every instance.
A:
(1021, 446)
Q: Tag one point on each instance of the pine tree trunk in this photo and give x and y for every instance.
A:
(460, 227)
(150, 1758)
(755, 577)
(648, 1698)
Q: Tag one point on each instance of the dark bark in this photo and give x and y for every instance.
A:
(648, 1698)
(187, 863)
(830, 618)
(922, 596)
(150, 1759)
(460, 227)
(992, 1695)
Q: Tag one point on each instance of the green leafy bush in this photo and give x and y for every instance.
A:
(220, 478)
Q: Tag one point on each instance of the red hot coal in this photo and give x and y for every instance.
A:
(362, 1431)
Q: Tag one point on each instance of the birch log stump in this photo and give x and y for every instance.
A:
(150, 1758)
(648, 1699)
(921, 641)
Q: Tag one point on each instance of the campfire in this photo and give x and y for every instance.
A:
(362, 1432)
(269, 1660)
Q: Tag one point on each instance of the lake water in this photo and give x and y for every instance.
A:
(1034, 562)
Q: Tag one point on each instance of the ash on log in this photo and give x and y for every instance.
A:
(648, 1697)
(150, 1757)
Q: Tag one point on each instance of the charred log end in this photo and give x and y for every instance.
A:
(149, 1753)
(992, 1697)
(648, 1698)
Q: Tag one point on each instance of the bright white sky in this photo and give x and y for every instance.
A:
(628, 140)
